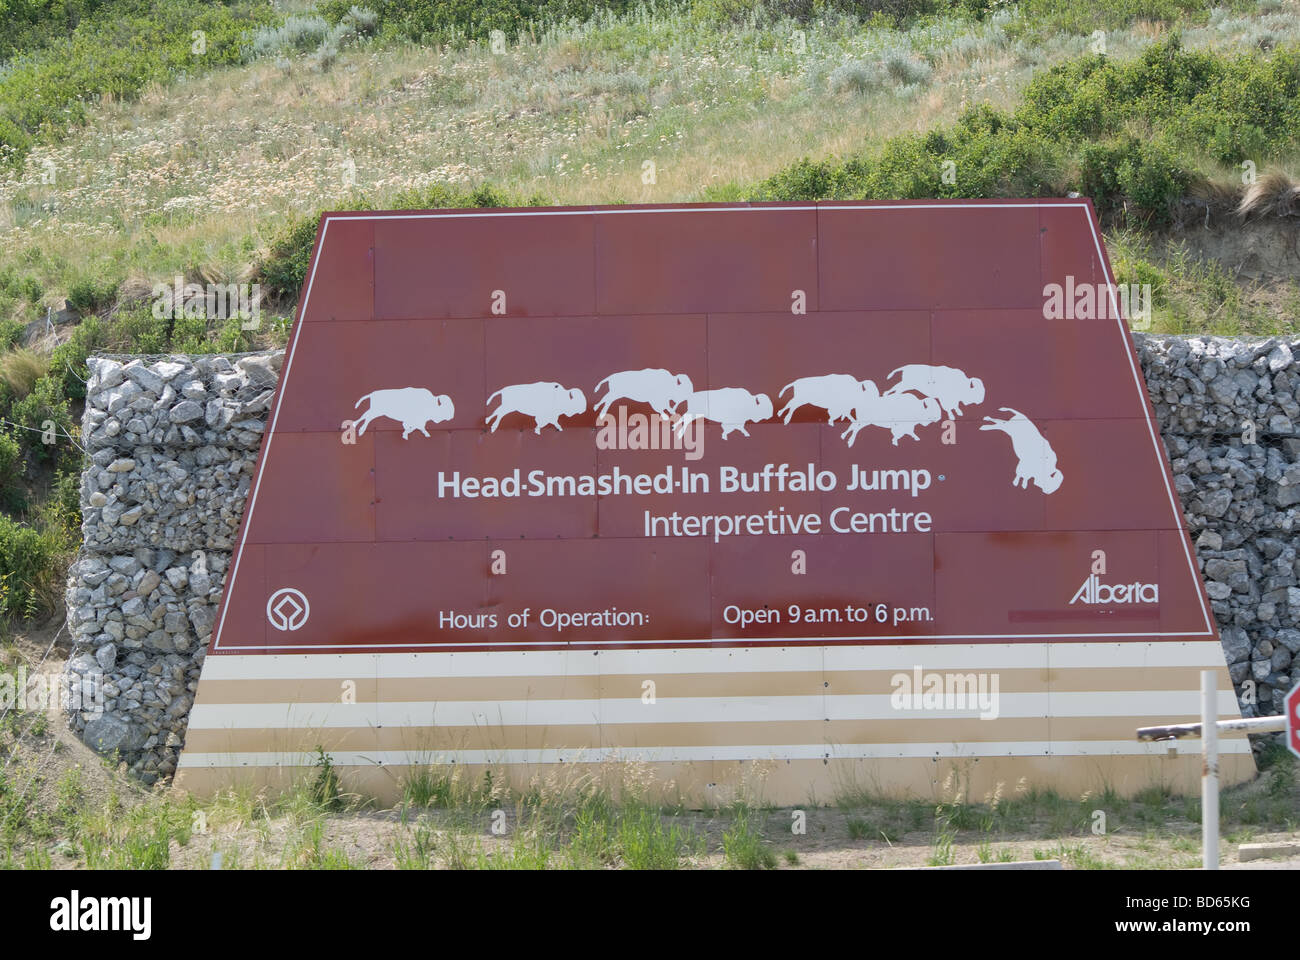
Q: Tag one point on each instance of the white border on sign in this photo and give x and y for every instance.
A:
(434, 647)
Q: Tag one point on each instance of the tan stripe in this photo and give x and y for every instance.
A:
(650, 735)
(624, 686)
(788, 783)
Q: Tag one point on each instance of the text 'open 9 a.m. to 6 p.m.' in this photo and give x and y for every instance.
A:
(865, 615)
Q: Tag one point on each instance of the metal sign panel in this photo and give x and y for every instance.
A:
(650, 431)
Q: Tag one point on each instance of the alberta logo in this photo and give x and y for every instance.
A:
(1093, 591)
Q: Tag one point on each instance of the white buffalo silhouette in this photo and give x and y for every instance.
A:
(1036, 460)
(950, 386)
(413, 407)
(837, 393)
(659, 388)
(732, 407)
(899, 413)
(544, 402)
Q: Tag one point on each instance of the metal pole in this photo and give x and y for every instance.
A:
(1177, 731)
(1209, 772)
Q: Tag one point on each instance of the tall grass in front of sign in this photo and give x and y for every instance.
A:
(111, 836)
(307, 850)
(416, 848)
(744, 844)
(575, 816)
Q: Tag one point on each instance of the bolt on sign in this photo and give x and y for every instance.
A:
(776, 497)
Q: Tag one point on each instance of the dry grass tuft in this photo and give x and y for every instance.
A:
(20, 369)
(1273, 194)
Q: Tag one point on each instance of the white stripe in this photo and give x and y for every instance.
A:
(749, 641)
(491, 714)
(809, 751)
(735, 660)
(1207, 654)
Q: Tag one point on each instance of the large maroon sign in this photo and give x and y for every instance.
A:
(710, 425)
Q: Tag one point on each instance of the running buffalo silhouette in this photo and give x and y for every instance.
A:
(543, 401)
(659, 388)
(900, 414)
(836, 393)
(950, 386)
(413, 407)
(732, 407)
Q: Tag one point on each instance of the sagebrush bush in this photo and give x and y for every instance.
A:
(856, 76)
(360, 20)
(297, 33)
(323, 58)
(311, 33)
(906, 69)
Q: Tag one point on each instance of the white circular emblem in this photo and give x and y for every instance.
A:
(287, 609)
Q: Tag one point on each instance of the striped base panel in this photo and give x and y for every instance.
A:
(800, 724)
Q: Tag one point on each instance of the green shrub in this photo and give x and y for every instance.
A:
(44, 415)
(1099, 171)
(1075, 130)
(11, 331)
(118, 48)
(1069, 16)
(33, 24)
(987, 154)
(137, 330)
(29, 569)
(199, 335)
(457, 21)
(893, 12)
(19, 287)
(1153, 177)
(284, 268)
(89, 295)
(1239, 107)
(61, 512)
(12, 467)
(68, 360)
